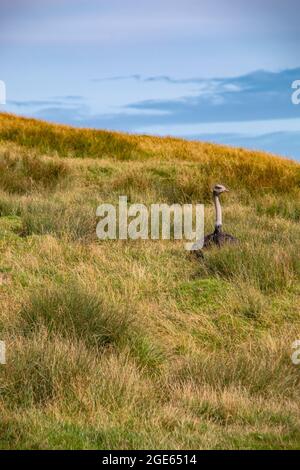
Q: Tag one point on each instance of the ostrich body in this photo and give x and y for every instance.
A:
(218, 237)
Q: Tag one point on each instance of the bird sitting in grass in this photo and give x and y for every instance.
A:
(218, 237)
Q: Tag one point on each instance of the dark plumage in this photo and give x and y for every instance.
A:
(218, 238)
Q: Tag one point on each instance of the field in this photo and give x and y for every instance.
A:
(138, 344)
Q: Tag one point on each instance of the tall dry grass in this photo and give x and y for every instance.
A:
(121, 344)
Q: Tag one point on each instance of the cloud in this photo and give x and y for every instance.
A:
(259, 96)
(57, 102)
(97, 21)
(63, 115)
(70, 97)
(33, 103)
(154, 78)
(256, 96)
(118, 78)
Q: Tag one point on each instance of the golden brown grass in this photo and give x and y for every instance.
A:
(137, 344)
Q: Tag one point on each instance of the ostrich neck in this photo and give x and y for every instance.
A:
(218, 211)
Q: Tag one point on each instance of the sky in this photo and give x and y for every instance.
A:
(213, 70)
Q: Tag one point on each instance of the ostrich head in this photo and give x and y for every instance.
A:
(219, 189)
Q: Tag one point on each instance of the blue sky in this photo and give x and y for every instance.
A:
(217, 70)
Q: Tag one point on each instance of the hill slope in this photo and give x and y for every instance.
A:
(123, 344)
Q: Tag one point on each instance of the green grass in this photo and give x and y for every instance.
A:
(138, 344)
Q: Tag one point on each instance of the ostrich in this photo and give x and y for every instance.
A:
(218, 237)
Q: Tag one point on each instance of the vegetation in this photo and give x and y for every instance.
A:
(137, 344)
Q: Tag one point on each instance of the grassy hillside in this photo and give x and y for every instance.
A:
(123, 344)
